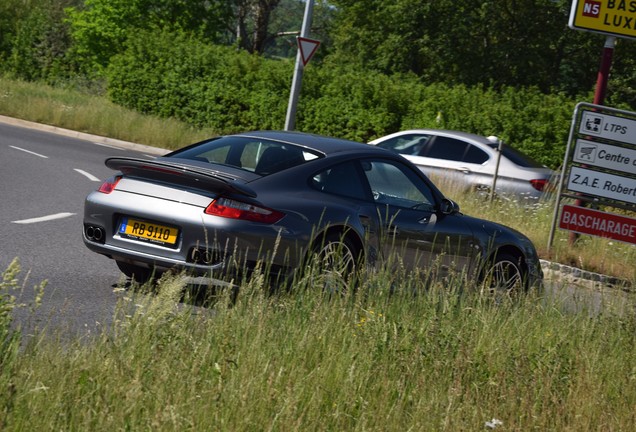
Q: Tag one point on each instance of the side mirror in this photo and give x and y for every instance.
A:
(448, 207)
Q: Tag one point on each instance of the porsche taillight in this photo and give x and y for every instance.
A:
(109, 185)
(233, 209)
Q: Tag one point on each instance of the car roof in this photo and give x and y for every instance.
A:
(324, 144)
(441, 132)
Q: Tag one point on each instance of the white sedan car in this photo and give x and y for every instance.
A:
(472, 160)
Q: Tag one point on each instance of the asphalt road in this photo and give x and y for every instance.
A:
(44, 178)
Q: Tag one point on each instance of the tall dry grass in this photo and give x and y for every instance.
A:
(419, 357)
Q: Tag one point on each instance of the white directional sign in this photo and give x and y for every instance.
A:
(608, 127)
(605, 156)
(602, 184)
(601, 159)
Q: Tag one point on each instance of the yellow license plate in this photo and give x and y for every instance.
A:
(148, 231)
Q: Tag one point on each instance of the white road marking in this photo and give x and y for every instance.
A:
(29, 151)
(90, 176)
(44, 218)
(150, 156)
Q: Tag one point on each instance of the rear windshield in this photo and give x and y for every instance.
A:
(518, 158)
(256, 155)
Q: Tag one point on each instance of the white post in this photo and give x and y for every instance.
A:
(494, 177)
(290, 120)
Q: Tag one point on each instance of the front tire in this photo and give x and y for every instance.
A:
(506, 275)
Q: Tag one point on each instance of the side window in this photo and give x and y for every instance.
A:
(253, 155)
(342, 180)
(395, 184)
(475, 155)
(411, 144)
(271, 158)
(447, 148)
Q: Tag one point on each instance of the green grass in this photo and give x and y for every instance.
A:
(93, 114)
(413, 358)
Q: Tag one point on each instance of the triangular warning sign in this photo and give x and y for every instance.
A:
(307, 48)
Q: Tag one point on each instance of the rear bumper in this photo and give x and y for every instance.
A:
(231, 245)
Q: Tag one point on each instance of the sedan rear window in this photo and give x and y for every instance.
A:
(410, 144)
(518, 158)
(260, 156)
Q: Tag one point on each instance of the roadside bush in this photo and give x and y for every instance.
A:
(353, 104)
(173, 75)
(363, 105)
(527, 119)
(38, 39)
(100, 28)
(217, 87)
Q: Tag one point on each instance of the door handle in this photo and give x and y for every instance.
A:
(392, 230)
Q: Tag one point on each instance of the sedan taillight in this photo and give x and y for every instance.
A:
(109, 185)
(539, 184)
(233, 209)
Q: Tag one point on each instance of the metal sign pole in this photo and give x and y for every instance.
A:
(559, 192)
(599, 97)
(290, 119)
(604, 70)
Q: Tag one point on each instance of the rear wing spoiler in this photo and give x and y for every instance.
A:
(185, 175)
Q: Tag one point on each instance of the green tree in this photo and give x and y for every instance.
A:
(12, 14)
(101, 27)
(40, 42)
(497, 43)
(285, 24)
(252, 21)
(388, 37)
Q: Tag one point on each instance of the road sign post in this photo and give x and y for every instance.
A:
(302, 58)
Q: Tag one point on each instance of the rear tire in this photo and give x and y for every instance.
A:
(333, 263)
(138, 274)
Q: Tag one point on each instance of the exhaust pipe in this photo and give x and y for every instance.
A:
(195, 255)
(204, 256)
(207, 257)
(94, 233)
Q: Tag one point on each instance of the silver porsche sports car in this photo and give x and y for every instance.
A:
(273, 200)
